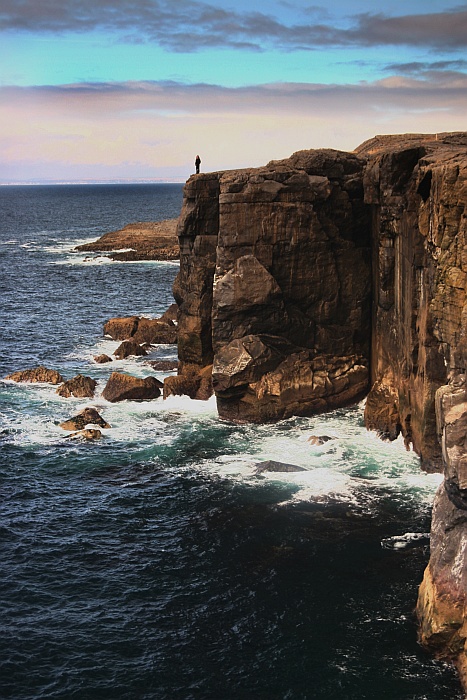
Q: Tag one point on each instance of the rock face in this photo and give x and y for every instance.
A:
(309, 281)
(275, 285)
(149, 240)
(122, 387)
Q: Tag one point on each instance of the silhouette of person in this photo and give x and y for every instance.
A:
(197, 164)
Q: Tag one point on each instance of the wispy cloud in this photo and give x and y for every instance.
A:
(189, 25)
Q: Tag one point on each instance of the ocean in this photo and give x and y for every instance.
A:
(157, 564)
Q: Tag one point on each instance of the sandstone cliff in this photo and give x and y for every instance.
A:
(317, 279)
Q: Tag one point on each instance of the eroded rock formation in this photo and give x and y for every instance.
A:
(148, 240)
(274, 285)
(309, 281)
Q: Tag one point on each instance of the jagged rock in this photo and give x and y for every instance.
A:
(155, 332)
(272, 466)
(86, 417)
(89, 434)
(38, 374)
(128, 348)
(102, 359)
(121, 328)
(149, 240)
(122, 387)
(79, 386)
(194, 381)
(319, 439)
(381, 410)
(142, 330)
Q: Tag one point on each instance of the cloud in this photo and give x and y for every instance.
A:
(190, 25)
(152, 129)
(418, 67)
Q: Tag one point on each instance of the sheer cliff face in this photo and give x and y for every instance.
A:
(315, 279)
(275, 285)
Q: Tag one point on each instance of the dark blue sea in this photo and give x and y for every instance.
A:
(155, 564)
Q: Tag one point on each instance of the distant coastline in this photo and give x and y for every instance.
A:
(153, 181)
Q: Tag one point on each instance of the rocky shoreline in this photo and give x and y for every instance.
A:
(149, 240)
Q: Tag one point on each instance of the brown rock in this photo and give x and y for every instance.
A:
(121, 328)
(155, 332)
(129, 348)
(162, 365)
(79, 386)
(86, 417)
(102, 359)
(194, 381)
(150, 240)
(38, 374)
(122, 387)
(152, 331)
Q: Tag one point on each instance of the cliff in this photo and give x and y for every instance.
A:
(318, 279)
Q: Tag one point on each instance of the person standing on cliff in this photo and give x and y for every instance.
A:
(197, 164)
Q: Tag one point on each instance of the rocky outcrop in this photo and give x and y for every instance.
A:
(37, 375)
(123, 387)
(153, 331)
(149, 240)
(79, 387)
(102, 359)
(312, 279)
(89, 416)
(274, 285)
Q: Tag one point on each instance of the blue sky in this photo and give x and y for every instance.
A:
(107, 89)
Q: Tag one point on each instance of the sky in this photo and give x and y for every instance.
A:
(108, 90)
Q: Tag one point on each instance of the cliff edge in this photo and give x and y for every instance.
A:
(316, 280)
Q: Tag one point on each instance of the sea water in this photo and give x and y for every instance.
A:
(157, 563)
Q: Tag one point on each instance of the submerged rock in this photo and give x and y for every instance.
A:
(79, 386)
(273, 466)
(89, 416)
(122, 387)
(89, 434)
(38, 374)
(319, 439)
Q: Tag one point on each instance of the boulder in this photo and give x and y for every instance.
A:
(121, 328)
(142, 330)
(89, 416)
(79, 386)
(194, 381)
(38, 374)
(102, 359)
(122, 387)
(273, 466)
(129, 348)
(155, 332)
